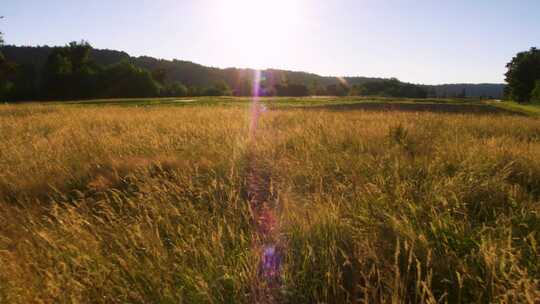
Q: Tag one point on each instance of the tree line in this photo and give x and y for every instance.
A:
(70, 73)
(77, 71)
(523, 77)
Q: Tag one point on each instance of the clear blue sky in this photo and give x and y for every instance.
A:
(417, 41)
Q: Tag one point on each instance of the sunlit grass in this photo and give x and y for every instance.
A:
(147, 205)
(530, 109)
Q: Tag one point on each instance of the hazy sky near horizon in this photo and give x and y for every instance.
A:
(416, 41)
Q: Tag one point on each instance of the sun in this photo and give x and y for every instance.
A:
(283, 10)
(257, 15)
(268, 25)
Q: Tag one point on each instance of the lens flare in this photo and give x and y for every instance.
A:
(343, 81)
(255, 104)
(266, 241)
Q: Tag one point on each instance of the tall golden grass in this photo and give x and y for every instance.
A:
(148, 205)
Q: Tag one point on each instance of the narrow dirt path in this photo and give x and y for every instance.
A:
(264, 205)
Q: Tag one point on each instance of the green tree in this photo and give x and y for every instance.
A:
(83, 80)
(3, 84)
(5, 71)
(316, 89)
(25, 79)
(391, 88)
(79, 54)
(291, 89)
(56, 75)
(223, 88)
(160, 75)
(194, 91)
(535, 95)
(69, 73)
(126, 80)
(339, 89)
(1, 35)
(523, 71)
(175, 89)
(211, 91)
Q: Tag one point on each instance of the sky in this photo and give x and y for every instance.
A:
(429, 42)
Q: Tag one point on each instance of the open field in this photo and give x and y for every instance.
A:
(147, 201)
(353, 102)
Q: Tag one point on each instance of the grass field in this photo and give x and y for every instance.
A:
(147, 201)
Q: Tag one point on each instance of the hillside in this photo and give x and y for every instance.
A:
(193, 74)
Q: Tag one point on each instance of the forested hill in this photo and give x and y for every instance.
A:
(38, 55)
(485, 90)
(195, 75)
(186, 72)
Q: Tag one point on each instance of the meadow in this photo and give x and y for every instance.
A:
(149, 203)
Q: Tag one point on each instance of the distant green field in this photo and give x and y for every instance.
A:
(377, 103)
(526, 109)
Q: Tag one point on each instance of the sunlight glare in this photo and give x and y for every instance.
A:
(268, 24)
